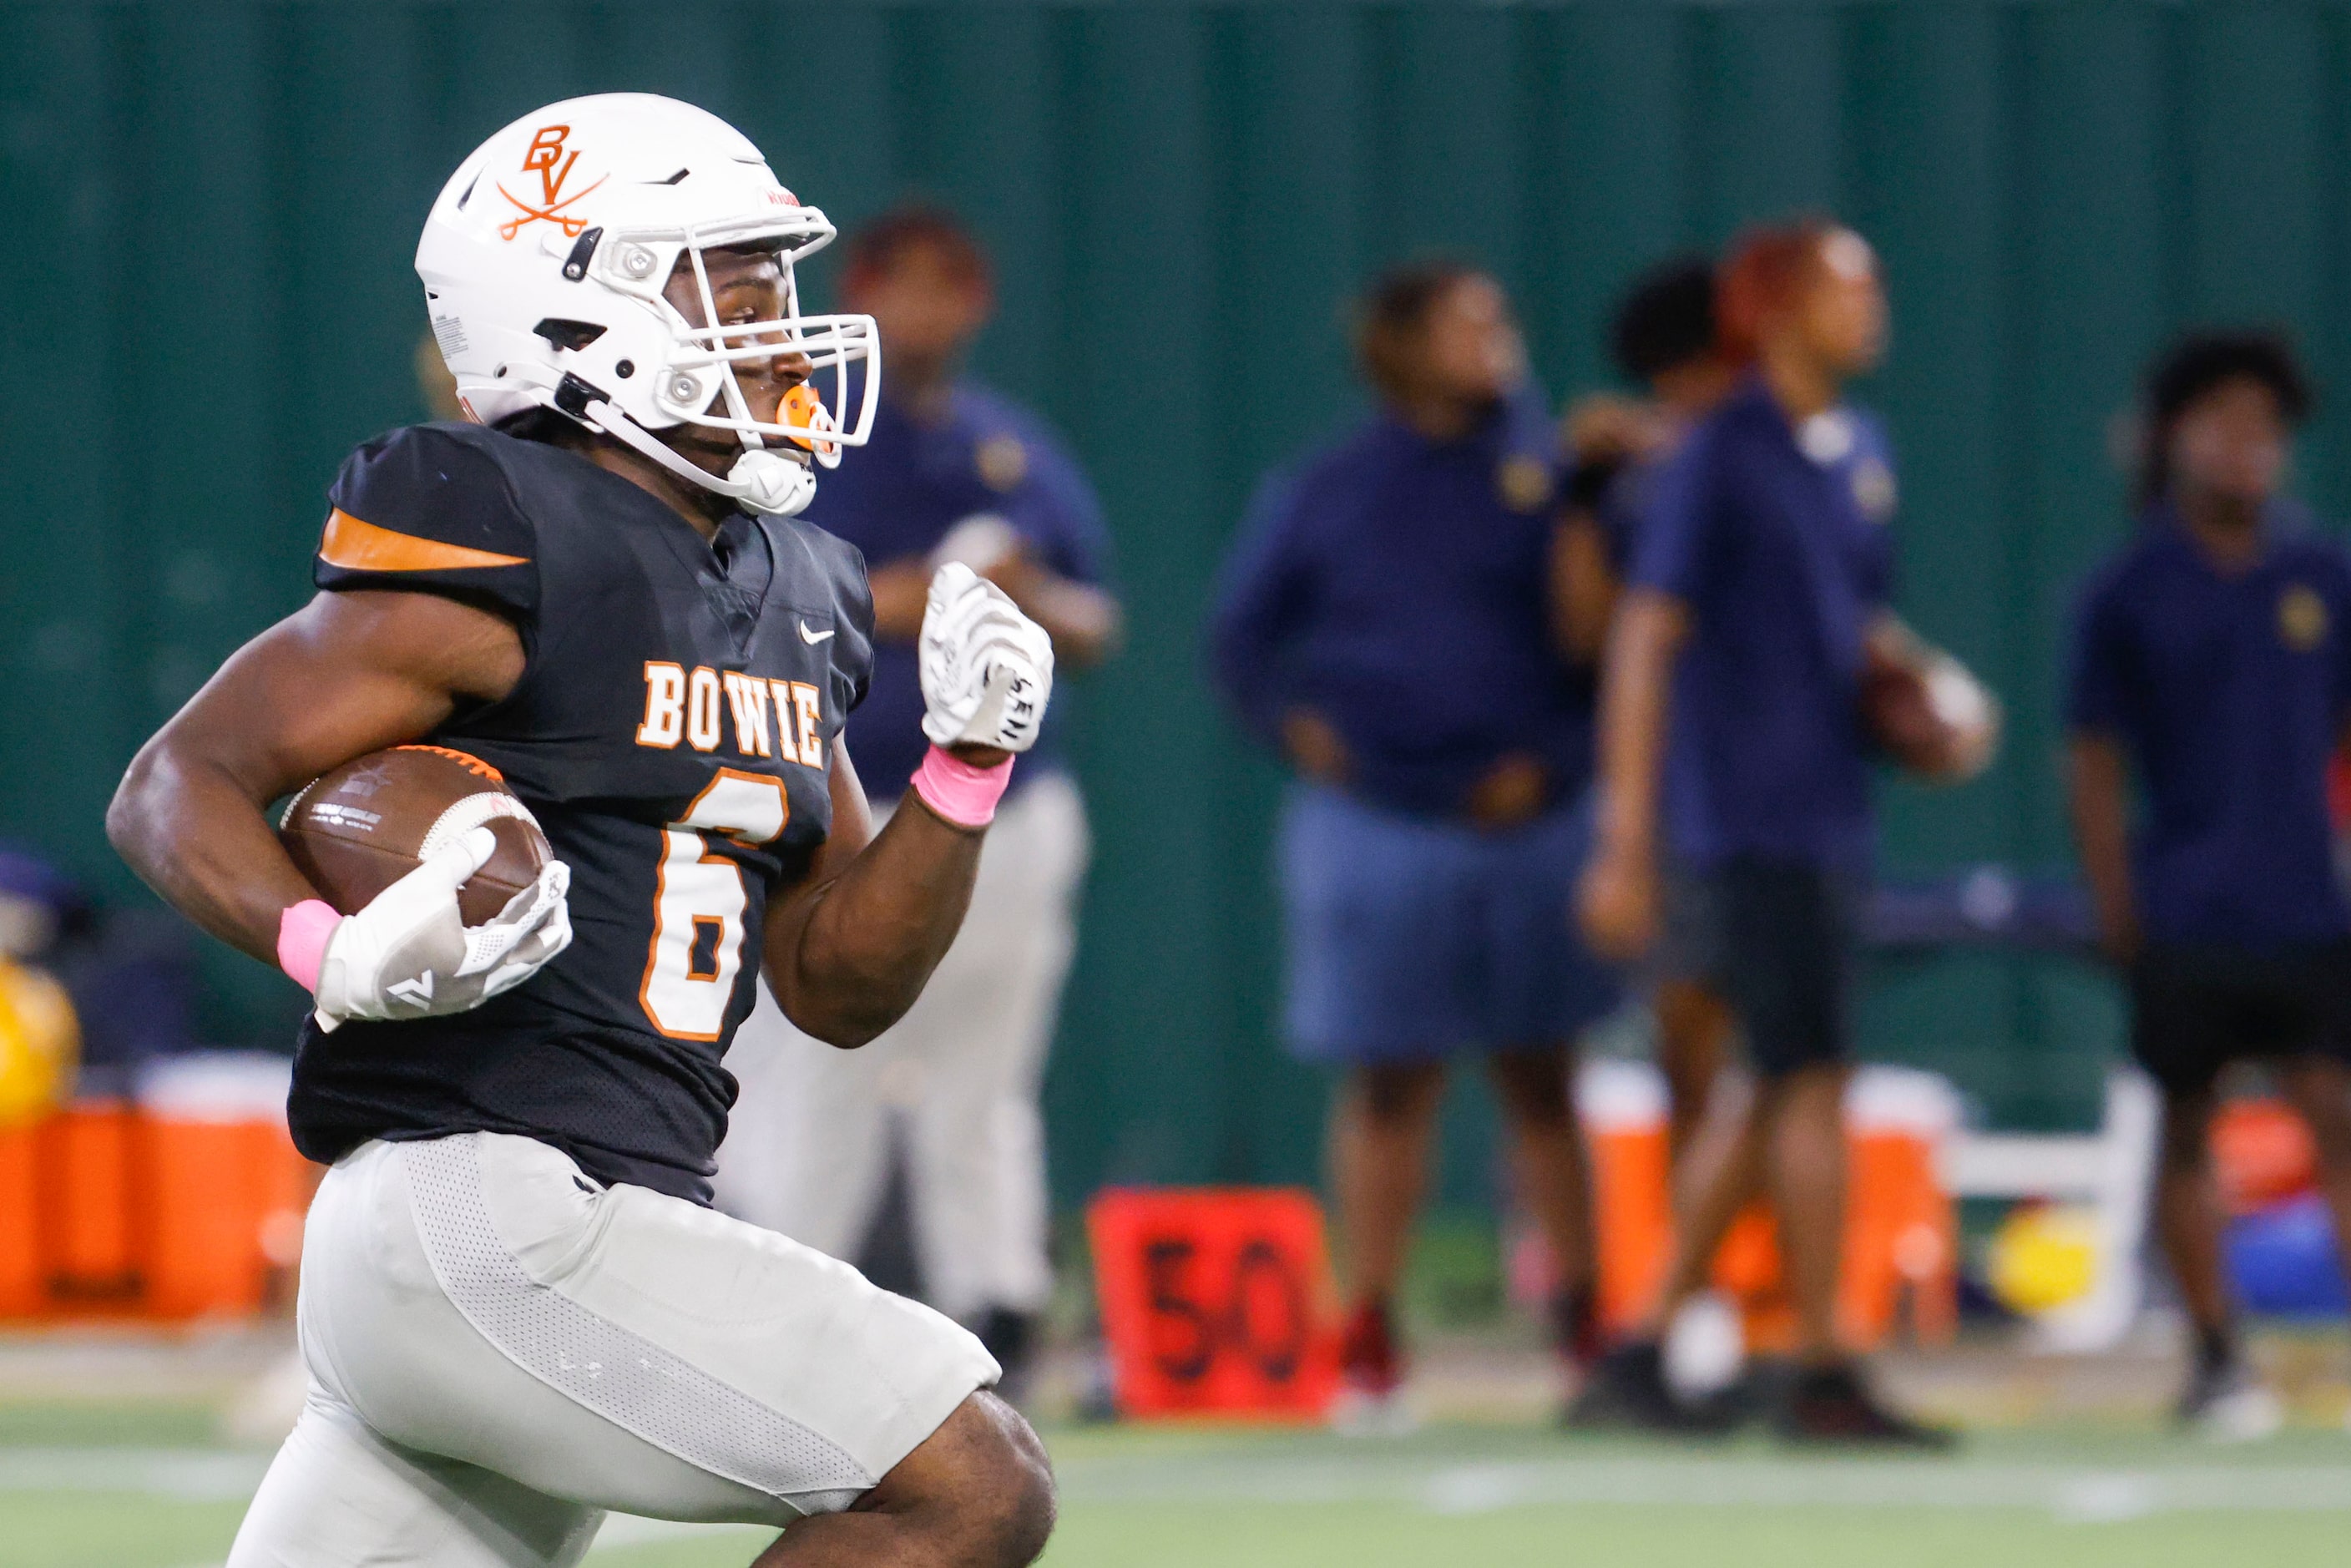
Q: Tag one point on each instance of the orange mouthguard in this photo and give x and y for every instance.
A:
(802, 406)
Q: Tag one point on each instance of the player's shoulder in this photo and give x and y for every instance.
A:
(440, 478)
(811, 558)
(819, 573)
(817, 570)
(451, 452)
(427, 455)
(436, 506)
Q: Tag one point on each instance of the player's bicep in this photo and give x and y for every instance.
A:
(852, 830)
(344, 675)
(791, 903)
(853, 820)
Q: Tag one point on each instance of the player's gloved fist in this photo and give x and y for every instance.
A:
(987, 669)
(409, 954)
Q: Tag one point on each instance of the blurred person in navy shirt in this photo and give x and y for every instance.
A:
(2212, 665)
(953, 472)
(1733, 750)
(1661, 336)
(1386, 622)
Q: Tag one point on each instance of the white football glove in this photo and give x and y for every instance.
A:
(987, 670)
(409, 954)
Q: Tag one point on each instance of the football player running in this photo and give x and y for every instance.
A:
(516, 1309)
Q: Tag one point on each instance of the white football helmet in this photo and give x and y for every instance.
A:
(544, 262)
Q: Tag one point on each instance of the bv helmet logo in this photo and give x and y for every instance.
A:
(552, 162)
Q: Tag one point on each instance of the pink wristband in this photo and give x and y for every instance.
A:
(964, 795)
(302, 933)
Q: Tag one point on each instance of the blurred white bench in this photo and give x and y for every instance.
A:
(2110, 1171)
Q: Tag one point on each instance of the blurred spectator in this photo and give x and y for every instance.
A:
(39, 1036)
(1663, 341)
(1384, 622)
(1731, 749)
(953, 472)
(129, 973)
(40, 906)
(2212, 662)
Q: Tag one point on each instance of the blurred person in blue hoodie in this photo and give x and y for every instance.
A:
(1388, 622)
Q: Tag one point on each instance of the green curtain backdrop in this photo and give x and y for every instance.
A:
(210, 208)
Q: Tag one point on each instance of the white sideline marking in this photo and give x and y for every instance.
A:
(2105, 1499)
(2085, 1495)
(190, 1475)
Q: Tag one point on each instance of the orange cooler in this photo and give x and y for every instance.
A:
(1901, 1243)
(181, 1205)
(225, 1184)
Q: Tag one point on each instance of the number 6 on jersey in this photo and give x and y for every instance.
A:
(698, 904)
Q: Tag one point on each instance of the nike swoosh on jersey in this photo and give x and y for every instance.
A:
(813, 638)
(357, 546)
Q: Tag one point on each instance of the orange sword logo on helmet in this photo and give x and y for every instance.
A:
(549, 159)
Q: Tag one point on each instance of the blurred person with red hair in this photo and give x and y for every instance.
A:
(1733, 750)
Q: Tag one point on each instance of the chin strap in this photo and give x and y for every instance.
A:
(763, 480)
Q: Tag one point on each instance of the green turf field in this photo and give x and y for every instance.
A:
(136, 1487)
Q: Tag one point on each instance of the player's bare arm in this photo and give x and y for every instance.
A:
(848, 952)
(2097, 786)
(1618, 898)
(848, 949)
(346, 674)
(593, 592)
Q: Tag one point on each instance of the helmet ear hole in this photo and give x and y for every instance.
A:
(569, 334)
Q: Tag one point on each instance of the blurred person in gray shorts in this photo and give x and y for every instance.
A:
(949, 1096)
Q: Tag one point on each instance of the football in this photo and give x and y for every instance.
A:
(1931, 718)
(357, 830)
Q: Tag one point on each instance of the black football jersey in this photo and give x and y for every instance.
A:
(671, 731)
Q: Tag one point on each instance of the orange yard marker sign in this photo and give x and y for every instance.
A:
(1216, 1301)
